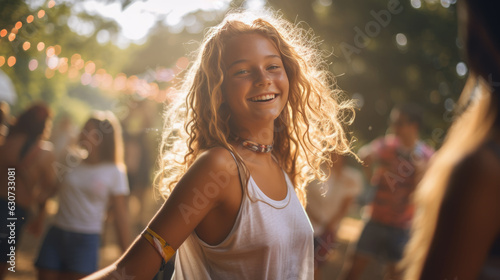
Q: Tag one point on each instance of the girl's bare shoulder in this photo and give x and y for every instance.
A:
(215, 165)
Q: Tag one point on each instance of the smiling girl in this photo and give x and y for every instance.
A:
(260, 110)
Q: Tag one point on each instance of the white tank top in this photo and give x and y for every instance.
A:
(269, 240)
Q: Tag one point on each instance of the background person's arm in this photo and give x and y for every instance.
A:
(122, 224)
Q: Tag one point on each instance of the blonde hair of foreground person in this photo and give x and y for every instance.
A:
(477, 124)
(309, 127)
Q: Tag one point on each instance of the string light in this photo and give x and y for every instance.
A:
(50, 51)
(57, 50)
(49, 73)
(90, 76)
(33, 64)
(90, 67)
(40, 46)
(41, 14)
(26, 45)
(11, 61)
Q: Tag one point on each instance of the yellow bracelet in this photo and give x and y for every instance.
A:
(159, 243)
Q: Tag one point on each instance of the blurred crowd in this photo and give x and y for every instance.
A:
(426, 212)
(92, 172)
(70, 183)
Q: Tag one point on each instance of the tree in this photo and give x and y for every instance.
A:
(388, 52)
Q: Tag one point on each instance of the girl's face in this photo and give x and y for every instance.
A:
(89, 137)
(255, 86)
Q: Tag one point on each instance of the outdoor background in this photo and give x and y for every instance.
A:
(127, 56)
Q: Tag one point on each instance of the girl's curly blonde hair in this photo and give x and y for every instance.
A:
(307, 130)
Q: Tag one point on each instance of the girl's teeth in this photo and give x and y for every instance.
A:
(263, 97)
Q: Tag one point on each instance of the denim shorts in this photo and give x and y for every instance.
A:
(67, 251)
(381, 241)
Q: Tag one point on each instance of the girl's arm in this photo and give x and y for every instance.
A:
(122, 225)
(186, 207)
(468, 222)
(48, 187)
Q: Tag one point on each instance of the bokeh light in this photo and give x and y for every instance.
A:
(52, 62)
(461, 69)
(63, 65)
(86, 79)
(33, 64)
(41, 14)
(11, 61)
(40, 46)
(49, 73)
(57, 49)
(417, 4)
(401, 39)
(359, 100)
(182, 62)
(26, 45)
(449, 104)
(50, 51)
(90, 67)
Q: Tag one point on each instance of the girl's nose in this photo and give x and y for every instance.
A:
(262, 79)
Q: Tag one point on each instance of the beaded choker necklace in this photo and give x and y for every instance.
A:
(253, 146)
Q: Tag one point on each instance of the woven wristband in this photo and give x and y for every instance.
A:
(159, 244)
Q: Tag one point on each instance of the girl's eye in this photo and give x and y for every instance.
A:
(272, 67)
(242, 71)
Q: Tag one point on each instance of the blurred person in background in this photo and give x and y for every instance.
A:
(24, 194)
(71, 246)
(328, 203)
(138, 144)
(395, 164)
(456, 234)
(64, 135)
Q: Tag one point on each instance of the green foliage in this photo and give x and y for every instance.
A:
(379, 70)
(368, 62)
(51, 30)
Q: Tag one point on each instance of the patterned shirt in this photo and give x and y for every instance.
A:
(396, 173)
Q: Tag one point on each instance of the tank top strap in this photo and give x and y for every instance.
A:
(241, 173)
